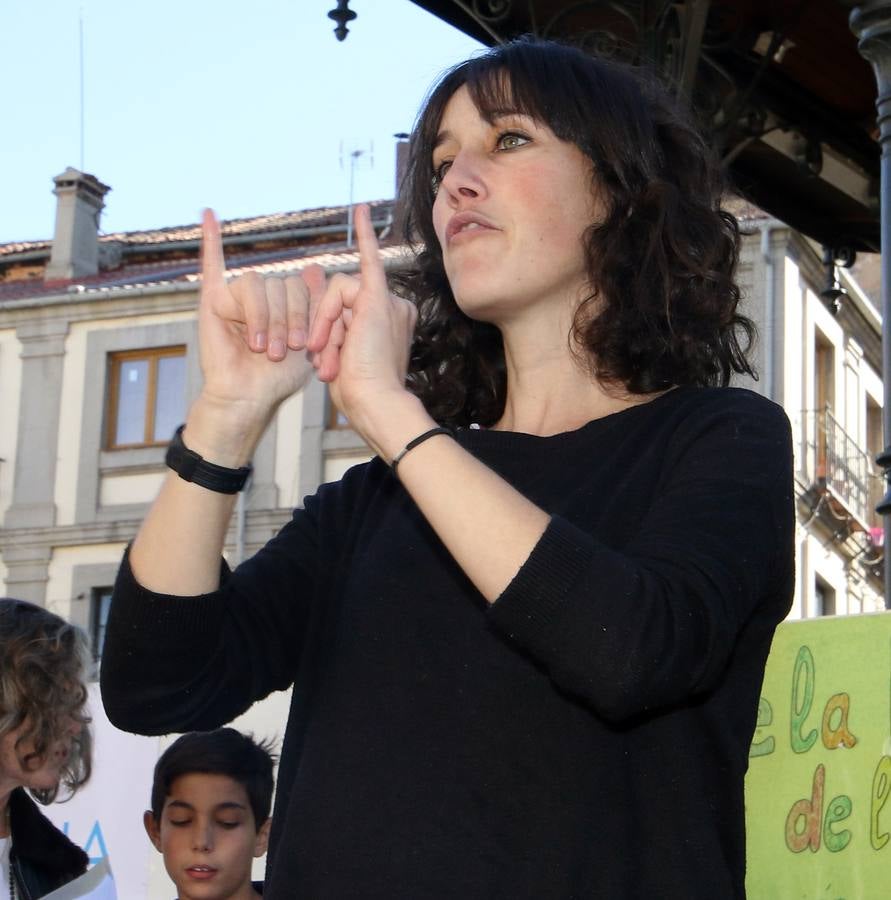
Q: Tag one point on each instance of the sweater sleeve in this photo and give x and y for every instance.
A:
(179, 663)
(655, 622)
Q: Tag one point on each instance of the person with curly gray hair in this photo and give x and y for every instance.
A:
(45, 746)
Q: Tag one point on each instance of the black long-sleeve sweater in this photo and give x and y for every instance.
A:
(586, 736)
(43, 858)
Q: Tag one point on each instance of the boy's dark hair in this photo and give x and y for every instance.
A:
(221, 752)
(662, 308)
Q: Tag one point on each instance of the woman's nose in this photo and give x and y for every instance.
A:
(464, 177)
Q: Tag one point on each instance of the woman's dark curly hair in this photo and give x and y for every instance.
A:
(662, 305)
(42, 659)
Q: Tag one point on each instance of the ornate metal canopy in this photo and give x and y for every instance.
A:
(779, 84)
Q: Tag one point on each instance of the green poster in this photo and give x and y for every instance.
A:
(818, 792)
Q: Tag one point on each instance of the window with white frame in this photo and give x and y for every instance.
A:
(100, 604)
(824, 396)
(146, 397)
(824, 372)
(334, 418)
(874, 442)
(824, 598)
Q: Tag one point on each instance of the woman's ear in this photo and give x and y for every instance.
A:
(262, 841)
(152, 829)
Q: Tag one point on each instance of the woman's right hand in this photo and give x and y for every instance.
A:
(252, 332)
(252, 341)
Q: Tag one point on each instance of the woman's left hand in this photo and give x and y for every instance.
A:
(361, 336)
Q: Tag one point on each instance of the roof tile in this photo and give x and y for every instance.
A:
(325, 215)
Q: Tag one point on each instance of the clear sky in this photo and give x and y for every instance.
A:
(243, 106)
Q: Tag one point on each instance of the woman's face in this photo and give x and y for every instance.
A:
(19, 769)
(512, 206)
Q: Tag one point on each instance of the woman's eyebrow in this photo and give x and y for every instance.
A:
(441, 138)
(495, 114)
(491, 116)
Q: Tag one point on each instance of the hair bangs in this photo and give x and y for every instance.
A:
(497, 90)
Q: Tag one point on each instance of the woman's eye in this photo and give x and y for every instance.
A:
(511, 140)
(229, 824)
(439, 172)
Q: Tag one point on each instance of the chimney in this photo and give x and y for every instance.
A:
(76, 240)
(402, 151)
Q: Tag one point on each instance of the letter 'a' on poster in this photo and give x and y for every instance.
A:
(818, 789)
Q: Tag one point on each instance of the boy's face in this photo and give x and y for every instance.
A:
(208, 837)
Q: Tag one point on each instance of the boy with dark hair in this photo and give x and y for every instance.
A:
(211, 797)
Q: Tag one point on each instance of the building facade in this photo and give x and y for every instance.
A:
(99, 361)
(819, 356)
(97, 369)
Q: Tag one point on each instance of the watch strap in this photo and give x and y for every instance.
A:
(190, 466)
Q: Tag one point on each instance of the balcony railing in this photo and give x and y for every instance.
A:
(838, 464)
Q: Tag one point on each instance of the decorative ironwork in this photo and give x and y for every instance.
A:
(688, 43)
(838, 465)
(842, 488)
(493, 11)
(342, 14)
(833, 292)
(556, 25)
(486, 14)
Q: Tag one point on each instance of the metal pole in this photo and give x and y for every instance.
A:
(241, 515)
(871, 23)
(354, 161)
(694, 14)
(350, 204)
(82, 92)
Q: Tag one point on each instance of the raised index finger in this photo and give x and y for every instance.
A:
(213, 264)
(371, 266)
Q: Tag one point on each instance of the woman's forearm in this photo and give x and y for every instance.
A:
(488, 526)
(177, 550)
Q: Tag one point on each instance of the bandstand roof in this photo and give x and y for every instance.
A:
(780, 84)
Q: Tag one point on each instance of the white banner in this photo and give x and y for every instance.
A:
(105, 816)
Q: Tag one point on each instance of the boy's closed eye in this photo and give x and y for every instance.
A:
(222, 823)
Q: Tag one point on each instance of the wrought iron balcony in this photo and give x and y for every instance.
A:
(839, 465)
(844, 484)
(841, 488)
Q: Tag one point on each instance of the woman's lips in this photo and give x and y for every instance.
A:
(467, 225)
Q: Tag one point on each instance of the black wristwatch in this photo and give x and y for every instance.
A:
(192, 467)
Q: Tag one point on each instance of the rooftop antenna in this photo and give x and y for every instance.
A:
(81, 35)
(356, 155)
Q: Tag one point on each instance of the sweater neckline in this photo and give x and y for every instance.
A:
(520, 439)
